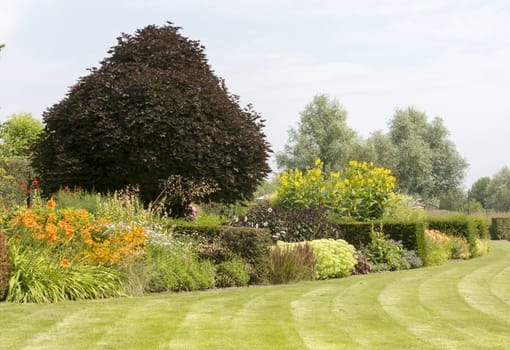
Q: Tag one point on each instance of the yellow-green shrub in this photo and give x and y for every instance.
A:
(361, 192)
(335, 258)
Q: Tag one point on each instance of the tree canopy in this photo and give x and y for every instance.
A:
(322, 133)
(428, 164)
(154, 108)
(17, 134)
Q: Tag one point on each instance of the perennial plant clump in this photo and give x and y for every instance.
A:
(361, 192)
(75, 235)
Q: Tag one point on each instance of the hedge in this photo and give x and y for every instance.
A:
(222, 242)
(5, 266)
(500, 228)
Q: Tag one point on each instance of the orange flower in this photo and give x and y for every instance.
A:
(51, 204)
(64, 262)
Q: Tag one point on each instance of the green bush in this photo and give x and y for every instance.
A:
(459, 248)
(385, 254)
(220, 243)
(335, 258)
(5, 266)
(232, 273)
(37, 278)
(482, 225)
(176, 268)
(291, 262)
(436, 248)
(500, 228)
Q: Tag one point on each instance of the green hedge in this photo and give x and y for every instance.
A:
(500, 228)
(5, 266)
(358, 233)
(221, 243)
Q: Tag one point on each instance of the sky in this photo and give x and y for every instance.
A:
(447, 58)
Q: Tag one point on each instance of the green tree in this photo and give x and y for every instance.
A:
(480, 191)
(499, 190)
(428, 164)
(379, 149)
(17, 134)
(153, 109)
(322, 133)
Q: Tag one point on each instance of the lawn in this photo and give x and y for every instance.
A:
(461, 305)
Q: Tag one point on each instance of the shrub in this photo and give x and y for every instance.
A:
(361, 192)
(232, 273)
(413, 259)
(437, 248)
(5, 266)
(176, 269)
(483, 246)
(459, 248)
(153, 108)
(363, 266)
(38, 278)
(482, 225)
(290, 224)
(385, 254)
(291, 262)
(221, 243)
(335, 258)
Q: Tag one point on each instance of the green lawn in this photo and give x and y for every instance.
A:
(461, 305)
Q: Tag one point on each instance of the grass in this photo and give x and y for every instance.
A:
(461, 305)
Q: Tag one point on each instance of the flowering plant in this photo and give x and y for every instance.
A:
(76, 236)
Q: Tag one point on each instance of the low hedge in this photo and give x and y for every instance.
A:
(500, 228)
(5, 266)
(220, 243)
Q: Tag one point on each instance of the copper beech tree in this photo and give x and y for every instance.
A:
(154, 108)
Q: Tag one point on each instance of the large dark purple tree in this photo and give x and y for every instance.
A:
(154, 108)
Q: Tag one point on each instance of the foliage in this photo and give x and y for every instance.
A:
(500, 228)
(75, 235)
(335, 258)
(437, 248)
(385, 254)
(221, 243)
(459, 226)
(289, 224)
(232, 273)
(428, 163)
(480, 191)
(5, 266)
(179, 192)
(38, 278)
(459, 248)
(77, 198)
(363, 266)
(291, 262)
(322, 133)
(17, 134)
(403, 208)
(413, 259)
(125, 206)
(154, 108)
(16, 184)
(499, 190)
(361, 192)
(175, 268)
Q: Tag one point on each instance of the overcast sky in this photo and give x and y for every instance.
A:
(448, 58)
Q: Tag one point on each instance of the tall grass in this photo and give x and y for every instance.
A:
(291, 263)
